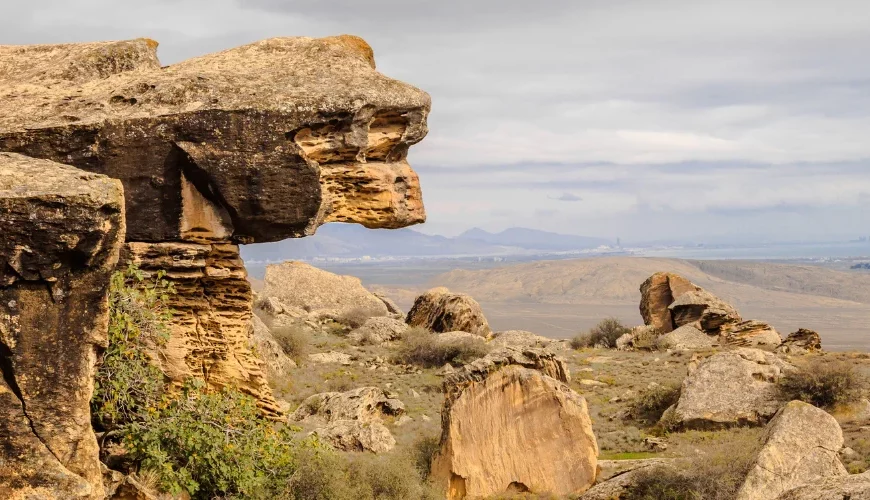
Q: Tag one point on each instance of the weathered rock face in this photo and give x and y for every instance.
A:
(802, 340)
(510, 428)
(657, 293)
(351, 421)
(799, 446)
(753, 333)
(520, 339)
(853, 487)
(440, 311)
(704, 311)
(61, 233)
(378, 330)
(257, 143)
(302, 286)
(277, 363)
(731, 388)
(686, 337)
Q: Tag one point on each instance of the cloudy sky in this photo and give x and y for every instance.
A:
(714, 120)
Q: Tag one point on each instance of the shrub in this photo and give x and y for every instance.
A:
(293, 340)
(824, 384)
(422, 347)
(651, 403)
(388, 477)
(356, 317)
(604, 334)
(424, 450)
(126, 383)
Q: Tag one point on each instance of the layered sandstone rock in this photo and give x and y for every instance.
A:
(799, 446)
(731, 388)
(753, 333)
(657, 293)
(669, 301)
(439, 310)
(509, 428)
(61, 233)
(686, 337)
(253, 144)
(801, 341)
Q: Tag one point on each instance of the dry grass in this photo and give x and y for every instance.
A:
(294, 341)
(423, 348)
(824, 383)
(649, 405)
(356, 317)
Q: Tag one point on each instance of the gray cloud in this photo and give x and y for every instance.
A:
(567, 197)
(738, 116)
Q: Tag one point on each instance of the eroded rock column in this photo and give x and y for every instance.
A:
(61, 229)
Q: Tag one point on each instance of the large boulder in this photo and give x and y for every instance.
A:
(753, 333)
(685, 338)
(729, 389)
(352, 420)
(799, 446)
(61, 229)
(657, 293)
(801, 341)
(439, 310)
(511, 428)
(853, 487)
(300, 285)
(378, 330)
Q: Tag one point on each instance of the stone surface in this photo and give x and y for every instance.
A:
(731, 388)
(752, 333)
(351, 421)
(513, 429)
(299, 285)
(854, 487)
(801, 341)
(340, 358)
(265, 347)
(520, 339)
(686, 338)
(440, 311)
(704, 311)
(256, 143)
(211, 322)
(377, 330)
(392, 307)
(799, 446)
(61, 233)
(657, 293)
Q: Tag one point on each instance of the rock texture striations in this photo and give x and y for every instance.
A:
(61, 229)
(440, 311)
(508, 427)
(257, 143)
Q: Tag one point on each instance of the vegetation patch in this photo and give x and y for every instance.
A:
(422, 347)
(652, 402)
(603, 335)
(824, 384)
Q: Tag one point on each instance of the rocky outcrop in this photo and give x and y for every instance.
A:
(351, 421)
(520, 339)
(276, 361)
(657, 293)
(853, 487)
(801, 341)
(376, 331)
(61, 233)
(439, 310)
(299, 285)
(685, 338)
(731, 388)
(253, 144)
(752, 333)
(799, 446)
(508, 428)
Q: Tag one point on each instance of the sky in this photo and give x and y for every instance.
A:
(709, 121)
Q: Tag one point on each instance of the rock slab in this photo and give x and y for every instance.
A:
(440, 311)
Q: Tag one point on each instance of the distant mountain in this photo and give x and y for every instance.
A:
(354, 241)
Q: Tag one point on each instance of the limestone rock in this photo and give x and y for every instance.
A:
(752, 333)
(351, 421)
(61, 233)
(657, 293)
(853, 487)
(378, 330)
(439, 310)
(704, 311)
(514, 429)
(300, 285)
(801, 341)
(519, 339)
(686, 338)
(731, 388)
(277, 363)
(799, 446)
(211, 322)
(257, 143)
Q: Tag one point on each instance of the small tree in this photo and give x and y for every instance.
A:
(604, 334)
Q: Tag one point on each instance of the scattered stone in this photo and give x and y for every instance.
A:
(520, 339)
(439, 310)
(655, 445)
(799, 447)
(801, 341)
(731, 388)
(753, 333)
(331, 357)
(591, 383)
(686, 338)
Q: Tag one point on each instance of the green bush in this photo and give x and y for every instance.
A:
(422, 347)
(388, 477)
(293, 340)
(424, 450)
(604, 334)
(651, 403)
(824, 384)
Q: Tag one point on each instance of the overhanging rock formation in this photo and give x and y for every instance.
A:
(254, 144)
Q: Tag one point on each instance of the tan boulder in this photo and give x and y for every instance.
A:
(657, 293)
(731, 388)
(801, 341)
(686, 338)
(520, 339)
(61, 233)
(440, 311)
(799, 446)
(851, 487)
(704, 311)
(752, 333)
(378, 330)
(513, 429)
